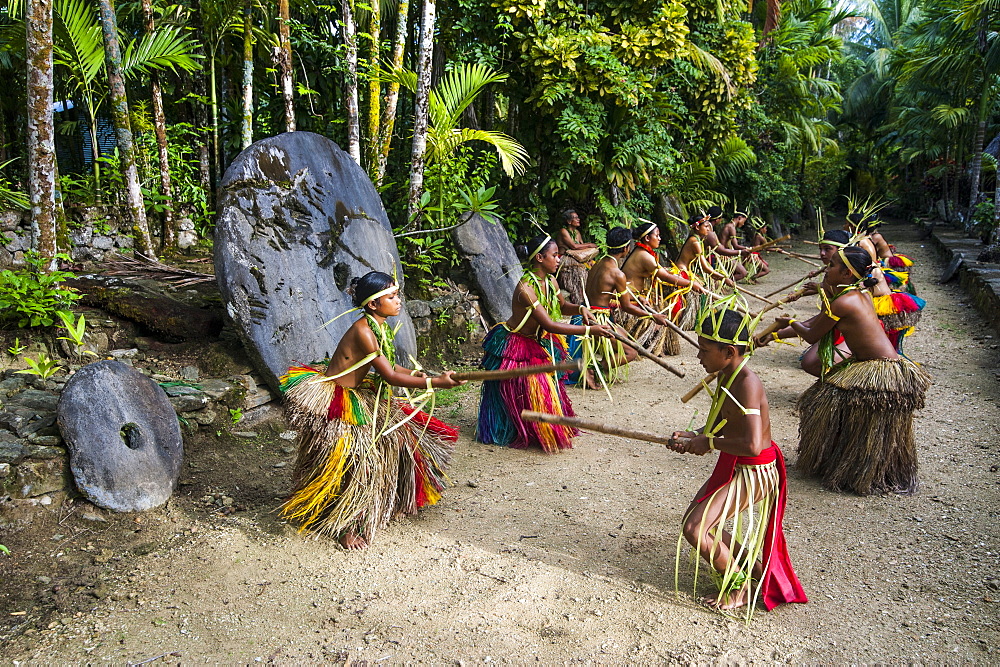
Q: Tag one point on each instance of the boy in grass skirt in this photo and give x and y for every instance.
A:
(735, 519)
(364, 455)
(856, 421)
(607, 295)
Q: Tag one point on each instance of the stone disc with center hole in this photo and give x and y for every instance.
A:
(298, 218)
(123, 436)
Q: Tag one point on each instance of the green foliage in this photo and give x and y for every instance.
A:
(235, 415)
(30, 297)
(4, 550)
(16, 349)
(75, 332)
(10, 198)
(983, 221)
(44, 367)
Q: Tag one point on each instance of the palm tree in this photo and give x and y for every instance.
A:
(41, 130)
(78, 54)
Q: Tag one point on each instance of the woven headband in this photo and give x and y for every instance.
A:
(849, 266)
(648, 229)
(540, 247)
(379, 295)
(619, 247)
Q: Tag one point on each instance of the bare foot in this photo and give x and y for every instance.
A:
(729, 602)
(353, 541)
(591, 382)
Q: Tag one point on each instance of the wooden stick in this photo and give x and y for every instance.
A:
(698, 387)
(749, 293)
(643, 352)
(770, 243)
(767, 331)
(508, 373)
(598, 427)
(811, 274)
(680, 332)
(797, 256)
(788, 298)
(813, 242)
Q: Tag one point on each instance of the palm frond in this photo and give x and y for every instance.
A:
(513, 156)
(169, 47)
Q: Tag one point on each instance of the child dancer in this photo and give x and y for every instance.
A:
(747, 486)
(532, 336)
(364, 455)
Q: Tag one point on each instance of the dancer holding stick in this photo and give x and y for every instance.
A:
(648, 284)
(756, 267)
(364, 455)
(532, 336)
(735, 519)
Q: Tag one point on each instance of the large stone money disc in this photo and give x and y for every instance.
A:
(124, 440)
(495, 267)
(297, 220)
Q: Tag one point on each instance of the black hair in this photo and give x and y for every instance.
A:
(567, 213)
(714, 212)
(733, 326)
(872, 221)
(861, 261)
(694, 219)
(617, 240)
(855, 219)
(372, 282)
(642, 229)
(527, 250)
(837, 236)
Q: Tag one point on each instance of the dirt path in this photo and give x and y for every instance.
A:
(550, 558)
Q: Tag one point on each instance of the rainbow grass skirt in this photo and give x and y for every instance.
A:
(501, 401)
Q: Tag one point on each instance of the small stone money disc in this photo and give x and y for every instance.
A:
(124, 440)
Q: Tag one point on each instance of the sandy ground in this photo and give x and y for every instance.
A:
(564, 558)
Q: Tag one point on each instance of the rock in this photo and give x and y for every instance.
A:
(124, 354)
(297, 220)
(216, 389)
(202, 417)
(36, 477)
(4, 470)
(11, 385)
(12, 452)
(190, 373)
(418, 308)
(188, 403)
(46, 451)
(288, 435)
(36, 400)
(123, 437)
(181, 390)
(495, 267)
(952, 269)
(245, 434)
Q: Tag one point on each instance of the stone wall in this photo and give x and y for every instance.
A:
(94, 232)
(446, 323)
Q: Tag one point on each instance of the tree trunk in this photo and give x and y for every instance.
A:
(41, 129)
(285, 66)
(374, 86)
(391, 96)
(351, 84)
(247, 133)
(169, 234)
(213, 96)
(977, 165)
(123, 128)
(420, 115)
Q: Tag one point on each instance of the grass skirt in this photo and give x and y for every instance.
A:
(572, 277)
(659, 340)
(350, 474)
(501, 401)
(856, 428)
(898, 310)
(596, 352)
(756, 527)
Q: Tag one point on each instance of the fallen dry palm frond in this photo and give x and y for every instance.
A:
(144, 267)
